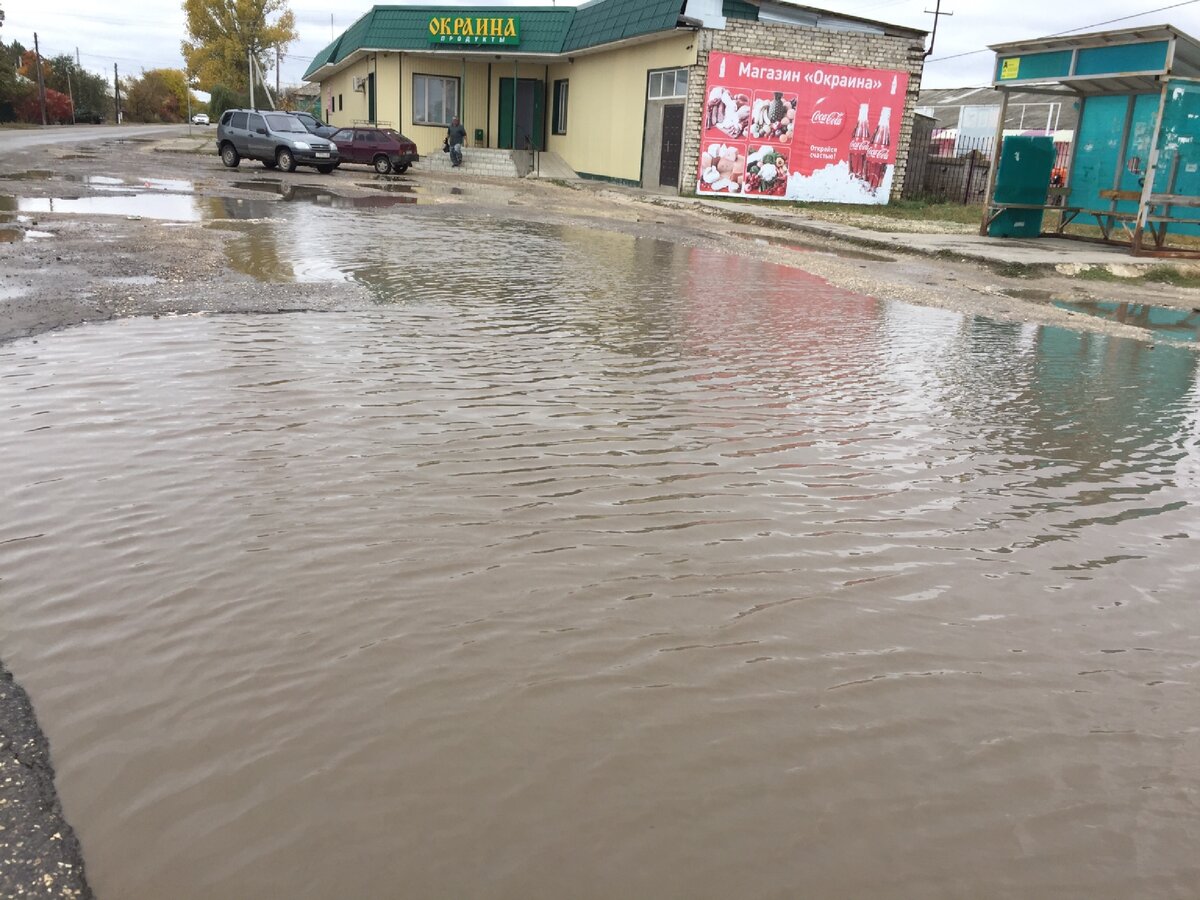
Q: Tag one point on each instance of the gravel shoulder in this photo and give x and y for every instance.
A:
(93, 268)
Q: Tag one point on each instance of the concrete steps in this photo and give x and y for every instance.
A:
(476, 161)
(498, 164)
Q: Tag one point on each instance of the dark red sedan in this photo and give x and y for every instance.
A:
(383, 148)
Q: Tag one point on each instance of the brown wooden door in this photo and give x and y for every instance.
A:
(672, 146)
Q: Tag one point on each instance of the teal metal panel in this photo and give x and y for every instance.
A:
(1150, 56)
(1097, 150)
(1023, 176)
(1034, 67)
(1179, 151)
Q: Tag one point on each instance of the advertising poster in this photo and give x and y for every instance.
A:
(790, 130)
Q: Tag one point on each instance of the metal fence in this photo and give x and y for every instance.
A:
(952, 169)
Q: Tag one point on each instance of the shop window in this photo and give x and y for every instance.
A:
(669, 84)
(559, 119)
(435, 100)
(339, 102)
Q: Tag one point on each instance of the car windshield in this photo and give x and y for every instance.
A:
(285, 123)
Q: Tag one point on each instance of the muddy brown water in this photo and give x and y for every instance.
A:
(603, 567)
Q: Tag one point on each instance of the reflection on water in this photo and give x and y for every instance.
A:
(1165, 322)
(604, 567)
(165, 206)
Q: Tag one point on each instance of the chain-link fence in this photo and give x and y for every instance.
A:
(951, 169)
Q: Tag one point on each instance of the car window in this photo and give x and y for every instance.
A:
(364, 137)
(256, 122)
(345, 136)
(239, 121)
(304, 117)
(283, 123)
(226, 118)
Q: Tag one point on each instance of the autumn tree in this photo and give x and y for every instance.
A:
(222, 32)
(157, 95)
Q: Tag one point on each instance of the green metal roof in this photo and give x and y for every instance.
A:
(739, 9)
(606, 21)
(544, 30)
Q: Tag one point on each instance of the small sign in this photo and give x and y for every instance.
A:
(1010, 69)
(475, 30)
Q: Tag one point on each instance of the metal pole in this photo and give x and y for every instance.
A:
(276, 72)
(250, 72)
(1151, 170)
(37, 53)
(117, 93)
(187, 88)
(71, 95)
(995, 164)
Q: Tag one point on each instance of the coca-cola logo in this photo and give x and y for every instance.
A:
(836, 119)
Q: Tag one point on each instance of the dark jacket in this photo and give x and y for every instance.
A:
(456, 134)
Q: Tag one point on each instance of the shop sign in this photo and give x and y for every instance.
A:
(1010, 68)
(490, 30)
(779, 129)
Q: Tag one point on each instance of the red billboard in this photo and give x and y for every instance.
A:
(781, 129)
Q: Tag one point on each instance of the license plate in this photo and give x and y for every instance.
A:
(321, 154)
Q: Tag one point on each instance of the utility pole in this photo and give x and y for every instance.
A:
(276, 73)
(250, 70)
(937, 13)
(78, 64)
(71, 95)
(117, 92)
(41, 83)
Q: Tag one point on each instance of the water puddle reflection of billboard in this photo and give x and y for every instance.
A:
(792, 130)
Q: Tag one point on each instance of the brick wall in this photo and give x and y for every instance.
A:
(807, 44)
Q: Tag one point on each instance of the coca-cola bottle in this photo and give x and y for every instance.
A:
(880, 150)
(859, 143)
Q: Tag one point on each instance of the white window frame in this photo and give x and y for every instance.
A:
(421, 99)
(559, 105)
(662, 79)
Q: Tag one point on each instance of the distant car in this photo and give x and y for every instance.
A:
(315, 125)
(385, 149)
(276, 139)
(200, 119)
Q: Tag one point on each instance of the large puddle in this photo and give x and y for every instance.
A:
(1182, 325)
(603, 567)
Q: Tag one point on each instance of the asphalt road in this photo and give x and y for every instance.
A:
(26, 138)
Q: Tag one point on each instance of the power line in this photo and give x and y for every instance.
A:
(1080, 28)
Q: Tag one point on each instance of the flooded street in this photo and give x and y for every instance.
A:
(582, 564)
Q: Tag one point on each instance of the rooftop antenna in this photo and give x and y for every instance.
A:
(937, 13)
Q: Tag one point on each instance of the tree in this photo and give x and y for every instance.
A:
(90, 91)
(159, 95)
(221, 32)
(221, 98)
(58, 108)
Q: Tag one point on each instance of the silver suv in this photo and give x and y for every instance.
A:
(276, 139)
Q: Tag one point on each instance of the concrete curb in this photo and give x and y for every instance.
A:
(39, 853)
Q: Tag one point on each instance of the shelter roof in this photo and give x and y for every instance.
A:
(1129, 60)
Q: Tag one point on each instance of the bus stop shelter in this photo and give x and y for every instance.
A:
(1134, 169)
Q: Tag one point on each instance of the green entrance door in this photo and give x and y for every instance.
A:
(529, 119)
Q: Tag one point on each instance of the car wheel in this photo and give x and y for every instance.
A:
(229, 156)
(324, 170)
(383, 165)
(285, 160)
(268, 163)
(402, 168)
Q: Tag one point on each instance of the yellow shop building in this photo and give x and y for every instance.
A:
(615, 88)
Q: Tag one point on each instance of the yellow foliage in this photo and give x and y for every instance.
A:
(221, 31)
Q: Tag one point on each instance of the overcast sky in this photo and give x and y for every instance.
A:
(145, 34)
